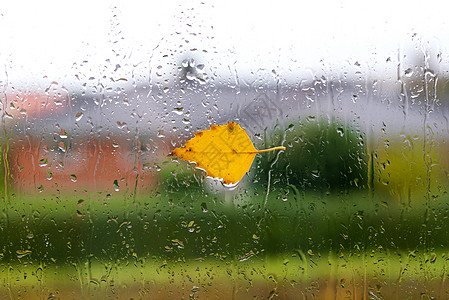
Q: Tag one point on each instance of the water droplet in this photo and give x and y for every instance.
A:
(230, 186)
(190, 76)
(178, 110)
(22, 253)
(62, 147)
(177, 242)
(204, 207)
(63, 134)
(246, 256)
(433, 258)
(311, 118)
(78, 116)
(116, 186)
(73, 178)
(408, 72)
(43, 162)
(340, 131)
(120, 125)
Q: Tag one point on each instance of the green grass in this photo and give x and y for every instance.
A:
(298, 244)
(381, 274)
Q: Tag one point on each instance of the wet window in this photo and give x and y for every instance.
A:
(130, 164)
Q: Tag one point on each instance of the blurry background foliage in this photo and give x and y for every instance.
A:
(322, 155)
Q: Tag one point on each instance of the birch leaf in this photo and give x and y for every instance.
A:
(223, 151)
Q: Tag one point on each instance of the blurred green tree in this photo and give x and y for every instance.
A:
(322, 154)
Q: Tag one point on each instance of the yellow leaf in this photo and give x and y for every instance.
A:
(224, 152)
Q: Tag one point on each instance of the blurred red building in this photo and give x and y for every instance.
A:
(40, 162)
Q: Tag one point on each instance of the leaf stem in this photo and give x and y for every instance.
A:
(271, 149)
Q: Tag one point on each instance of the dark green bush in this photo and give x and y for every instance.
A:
(322, 154)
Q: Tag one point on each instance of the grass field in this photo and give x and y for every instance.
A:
(199, 244)
(380, 275)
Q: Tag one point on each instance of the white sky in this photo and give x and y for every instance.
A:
(52, 38)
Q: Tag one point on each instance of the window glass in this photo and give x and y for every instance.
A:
(96, 96)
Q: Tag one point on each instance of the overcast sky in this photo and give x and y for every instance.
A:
(53, 38)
